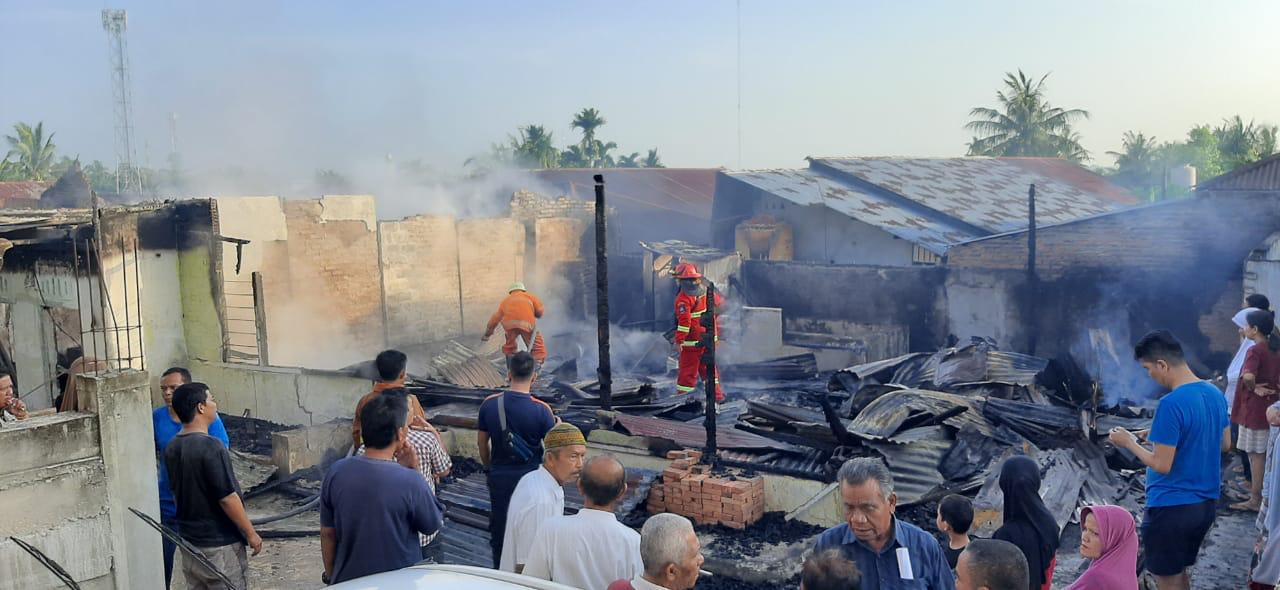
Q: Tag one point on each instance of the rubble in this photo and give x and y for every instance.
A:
(689, 489)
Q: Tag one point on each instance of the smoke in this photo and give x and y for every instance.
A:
(1103, 346)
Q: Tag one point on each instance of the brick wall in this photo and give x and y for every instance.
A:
(557, 241)
(491, 252)
(338, 258)
(1174, 265)
(420, 278)
(528, 206)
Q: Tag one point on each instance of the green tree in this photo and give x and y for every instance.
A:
(631, 160)
(652, 160)
(591, 152)
(1137, 166)
(101, 178)
(31, 151)
(535, 148)
(1026, 124)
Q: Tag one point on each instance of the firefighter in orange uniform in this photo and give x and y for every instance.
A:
(691, 304)
(518, 314)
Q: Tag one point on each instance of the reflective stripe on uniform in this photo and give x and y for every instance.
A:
(685, 389)
(689, 343)
(684, 329)
(696, 314)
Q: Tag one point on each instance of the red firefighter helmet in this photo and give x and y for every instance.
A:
(687, 270)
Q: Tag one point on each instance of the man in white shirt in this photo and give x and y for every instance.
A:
(540, 493)
(671, 554)
(591, 548)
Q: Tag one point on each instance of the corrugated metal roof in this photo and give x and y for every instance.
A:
(689, 191)
(990, 193)
(1263, 175)
(1013, 367)
(931, 230)
(887, 413)
(914, 466)
(687, 251)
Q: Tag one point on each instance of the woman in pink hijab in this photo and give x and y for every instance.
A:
(1108, 538)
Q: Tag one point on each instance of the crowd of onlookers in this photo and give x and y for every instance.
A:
(379, 511)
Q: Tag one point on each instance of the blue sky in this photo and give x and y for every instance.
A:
(307, 85)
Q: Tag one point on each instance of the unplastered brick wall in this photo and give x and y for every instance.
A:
(491, 257)
(557, 241)
(691, 490)
(421, 279)
(333, 252)
(528, 206)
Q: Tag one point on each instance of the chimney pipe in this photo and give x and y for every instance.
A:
(602, 298)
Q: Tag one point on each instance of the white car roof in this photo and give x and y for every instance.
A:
(447, 577)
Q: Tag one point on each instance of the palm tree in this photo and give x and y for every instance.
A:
(1236, 141)
(1137, 166)
(32, 151)
(588, 120)
(1025, 124)
(535, 147)
(631, 160)
(652, 160)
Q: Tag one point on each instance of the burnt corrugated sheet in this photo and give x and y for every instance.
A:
(811, 464)
(462, 366)
(694, 436)
(888, 413)
(915, 464)
(1013, 367)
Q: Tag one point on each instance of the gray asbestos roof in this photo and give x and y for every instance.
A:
(938, 202)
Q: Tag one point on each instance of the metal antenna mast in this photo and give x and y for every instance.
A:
(128, 177)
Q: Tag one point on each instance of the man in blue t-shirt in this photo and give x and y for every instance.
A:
(1188, 436)
(165, 425)
(372, 509)
(515, 450)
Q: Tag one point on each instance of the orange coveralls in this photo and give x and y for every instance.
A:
(689, 331)
(518, 314)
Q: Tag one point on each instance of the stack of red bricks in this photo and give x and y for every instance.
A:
(691, 490)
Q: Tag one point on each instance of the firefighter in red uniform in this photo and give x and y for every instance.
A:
(691, 303)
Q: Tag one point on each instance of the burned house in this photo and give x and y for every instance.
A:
(898, 211)
(1180, 265)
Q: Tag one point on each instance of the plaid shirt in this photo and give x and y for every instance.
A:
(432, 460)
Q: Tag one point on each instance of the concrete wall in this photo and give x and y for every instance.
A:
(986, 304)
(284, 395)
(67, 482)
(421, 279)
(910, 296)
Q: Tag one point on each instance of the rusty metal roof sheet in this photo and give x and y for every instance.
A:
(888, 413)
(22, 190)
(914, 466)
(990, 193)
(694, 436)
(931, 230)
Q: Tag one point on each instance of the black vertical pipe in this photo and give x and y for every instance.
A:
(709, 380)
(602, 297)
(1033, 280)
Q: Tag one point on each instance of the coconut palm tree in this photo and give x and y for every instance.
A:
(1026, 124)
(535, 147)
(652, 160)
(1138, 164)
(588, 120)
(31, 151)
(631, 160)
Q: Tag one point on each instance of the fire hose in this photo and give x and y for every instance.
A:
(307, 506)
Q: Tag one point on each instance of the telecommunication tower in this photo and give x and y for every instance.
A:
(128, 177)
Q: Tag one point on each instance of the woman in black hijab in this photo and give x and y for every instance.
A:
(1027, 523)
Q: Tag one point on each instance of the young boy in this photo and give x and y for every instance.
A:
(955, 515)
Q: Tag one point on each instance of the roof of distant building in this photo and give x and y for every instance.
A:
(689, 191)
(23, 190)
(1263, 175)
(938, 202)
